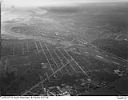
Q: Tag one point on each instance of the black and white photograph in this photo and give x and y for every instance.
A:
(64, 48)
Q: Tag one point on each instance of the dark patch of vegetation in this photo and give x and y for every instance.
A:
(119, 48)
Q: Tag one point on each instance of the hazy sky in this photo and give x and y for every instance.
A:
(22, 3)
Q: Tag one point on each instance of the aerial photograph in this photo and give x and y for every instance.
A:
(64, 48)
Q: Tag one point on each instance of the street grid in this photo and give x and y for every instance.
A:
(59, 60)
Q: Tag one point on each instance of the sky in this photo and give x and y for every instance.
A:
(29, 3)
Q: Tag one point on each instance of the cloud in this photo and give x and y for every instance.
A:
(27, 3)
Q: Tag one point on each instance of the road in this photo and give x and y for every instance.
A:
(99, 54)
